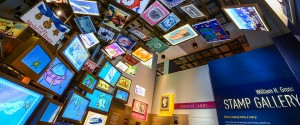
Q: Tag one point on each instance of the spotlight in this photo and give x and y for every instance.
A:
(58, 12)
(228, 33)
(195, 45)
(163, 57)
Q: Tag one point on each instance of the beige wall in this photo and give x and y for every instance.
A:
(145, 77)
(192, 85)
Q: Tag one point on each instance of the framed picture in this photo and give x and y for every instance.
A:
(131, 70)
(105, 34)
(50, 113)
(89, 40)
(103, 86)
(75, 53)
(31, 58)
(57, 77)
(211, 31)
(166, 105)
(139, 33)
(164, 102)
(100, 101)
(113, 50)
(142, 54)
(89, 66)
(87, 81)
(140, 90)
(171, 3)
(115, 18)
(139, 109)
(169, 22)
(192, 11)
(155, 13)
(11, 29)
(121, 95)
(75, 104)
(51, 28)
(157, 45)
(130, 60)
(85, 24)
(57, 1)
(247, 17)
(18, 101)
(109, 74)
(148, 63)
(122, 66)
(124, 83)
(84, 7)
(180, 35)
(125, 42)
(137, 6)
(93, 118)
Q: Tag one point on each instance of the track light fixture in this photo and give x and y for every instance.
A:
(163, 57)
(195, 45)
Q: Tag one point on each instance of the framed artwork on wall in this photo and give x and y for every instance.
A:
(57, 77)
(84, 7)
(11, 29)
(171, 3)
(75, 104)
(211, 31)
(75, 53)
(85, 24)
(169, 22)
(24, 98)
(38, 19)
(139, 33)
(155, 13)
(247, 17)
(137, 6)
(105, 34)
(139, 109)
(115, 18)
(157, 45)
(180, 35)
(192, 11)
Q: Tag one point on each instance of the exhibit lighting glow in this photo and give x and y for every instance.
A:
(58, 12)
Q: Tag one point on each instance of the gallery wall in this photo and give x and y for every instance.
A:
(192, 85)
(145, 77)
(248, 88)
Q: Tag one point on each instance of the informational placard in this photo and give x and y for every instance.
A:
(262, 93)
(139, 110)
(43, 20)
(140, 90)
(195, 105)
(89, 66)
(166, 106)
